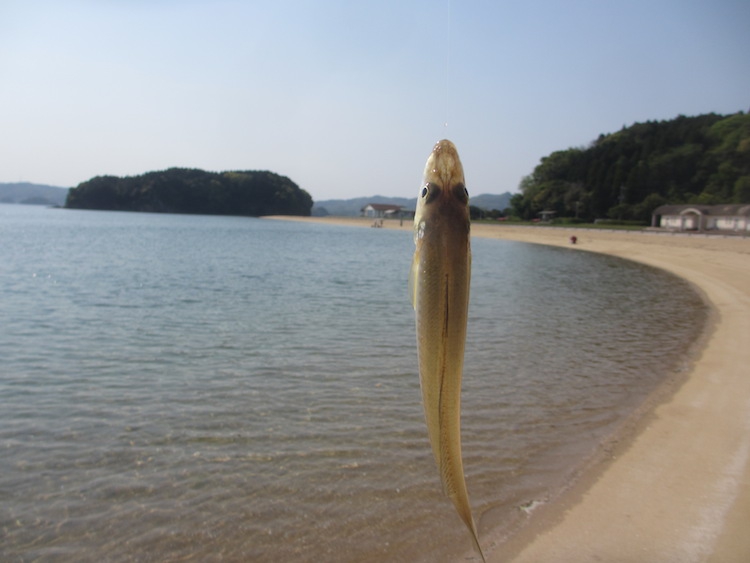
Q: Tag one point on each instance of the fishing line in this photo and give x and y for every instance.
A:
(447, 61)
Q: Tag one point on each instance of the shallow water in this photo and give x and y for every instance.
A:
(180, 388)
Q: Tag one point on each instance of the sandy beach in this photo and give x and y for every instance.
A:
(678, 487)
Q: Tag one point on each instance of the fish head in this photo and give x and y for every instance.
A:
(442, 195)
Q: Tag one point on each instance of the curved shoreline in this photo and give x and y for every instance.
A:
(678, 489)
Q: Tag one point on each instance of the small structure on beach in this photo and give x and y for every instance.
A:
(547, 215)
(727, 218)
(381, 210)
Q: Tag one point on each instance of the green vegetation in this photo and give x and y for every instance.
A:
(181, 190)
(624, 176)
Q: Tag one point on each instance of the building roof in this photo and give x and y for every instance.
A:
(383, 207)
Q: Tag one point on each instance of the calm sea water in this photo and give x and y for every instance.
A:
(187, 388)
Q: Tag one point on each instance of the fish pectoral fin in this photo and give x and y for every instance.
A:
(413, 275)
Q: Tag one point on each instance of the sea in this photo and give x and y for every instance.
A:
(203, 388)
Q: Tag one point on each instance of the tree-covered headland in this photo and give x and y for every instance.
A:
(626, 175)
(181, 190)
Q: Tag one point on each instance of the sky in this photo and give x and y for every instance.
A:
(345, 97)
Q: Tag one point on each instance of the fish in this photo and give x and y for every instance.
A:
(439, 286)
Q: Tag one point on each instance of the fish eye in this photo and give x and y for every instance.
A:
(461, 192)
(429, 192)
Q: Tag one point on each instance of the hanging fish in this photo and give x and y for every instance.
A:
(439, 287)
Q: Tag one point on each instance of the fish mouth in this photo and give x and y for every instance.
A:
(444, 166)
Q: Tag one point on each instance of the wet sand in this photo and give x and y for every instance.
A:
(677, 487)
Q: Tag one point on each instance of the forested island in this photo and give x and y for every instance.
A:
(626, 175)
(183, 190)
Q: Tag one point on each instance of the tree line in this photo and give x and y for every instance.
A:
(182, 190)
(625, 175)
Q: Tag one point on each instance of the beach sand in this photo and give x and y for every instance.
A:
(677, 486)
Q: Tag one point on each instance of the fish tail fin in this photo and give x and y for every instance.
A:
(476, 544)
(465, 513)
(475, 536)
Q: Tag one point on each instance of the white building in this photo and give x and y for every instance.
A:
(728, 218)
(380, 210)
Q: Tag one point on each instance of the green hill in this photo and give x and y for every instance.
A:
(181, 190)
(625, 175)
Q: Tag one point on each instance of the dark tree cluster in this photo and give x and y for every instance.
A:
(182, 190)
(625, 175)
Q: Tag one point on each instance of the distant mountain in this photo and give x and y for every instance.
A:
(37, 194)
(352, 207)
(491, 201)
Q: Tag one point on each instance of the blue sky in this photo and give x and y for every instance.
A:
(345, 97)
